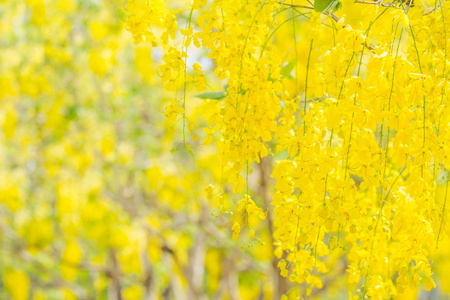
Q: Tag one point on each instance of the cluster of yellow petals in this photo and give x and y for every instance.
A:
(353, 106)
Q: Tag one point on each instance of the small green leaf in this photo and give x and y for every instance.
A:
(212, 95)
(287, 69)
(269, 78)
(325, 6)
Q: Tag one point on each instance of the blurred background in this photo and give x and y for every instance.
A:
(99, 198)
(95, 203)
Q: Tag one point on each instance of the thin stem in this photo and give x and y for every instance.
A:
(306, 86)
(185, 84)
(246, 39)
(296, 53)
(439, 126)
(443, 211)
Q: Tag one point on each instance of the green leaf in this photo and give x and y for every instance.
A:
(287, 69)
(270, 77)
(212, 95)
(325, 6)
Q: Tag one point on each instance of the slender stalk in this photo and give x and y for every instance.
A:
(185, 84)
(439, 126)
(306, 86)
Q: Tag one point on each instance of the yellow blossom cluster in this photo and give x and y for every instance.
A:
(353, 105)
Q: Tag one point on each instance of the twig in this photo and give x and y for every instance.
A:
(295, 5)
(379, 2)
(333, 16)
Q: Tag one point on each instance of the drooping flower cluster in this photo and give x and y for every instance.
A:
(354, 107)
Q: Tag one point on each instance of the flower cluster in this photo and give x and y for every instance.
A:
(354, 107)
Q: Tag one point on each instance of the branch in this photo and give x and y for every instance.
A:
(295, 5)
(379, 2)
(333, 16)
(116, 289)
(280, 283)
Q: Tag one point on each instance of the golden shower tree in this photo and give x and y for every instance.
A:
(343, 103)
(224, 149)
